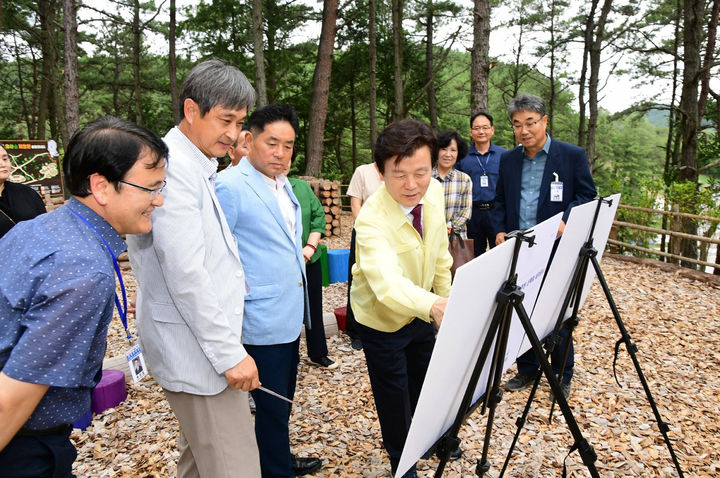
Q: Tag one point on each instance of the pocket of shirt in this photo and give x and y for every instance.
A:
(166, 313)
(266, 291)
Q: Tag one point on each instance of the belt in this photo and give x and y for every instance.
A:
(482, 205)
(27, 432)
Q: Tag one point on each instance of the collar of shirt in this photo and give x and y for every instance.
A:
(491, 149)
(208, 165)
(286, 205)
(448, 177)
(544, 151)
(407, 210)
(275, 184)
(116, 243)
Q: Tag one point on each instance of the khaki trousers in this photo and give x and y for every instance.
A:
(217, 435)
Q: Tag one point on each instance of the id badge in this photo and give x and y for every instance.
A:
(136, 362)
(484, 182)
(556, 191)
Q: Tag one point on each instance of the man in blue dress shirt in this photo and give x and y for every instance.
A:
(482, 164)
(57, 292)
(537, 180)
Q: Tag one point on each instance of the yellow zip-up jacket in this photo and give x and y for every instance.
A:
(395, 269)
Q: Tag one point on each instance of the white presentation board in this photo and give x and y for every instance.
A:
(470, 309)
(531, 268)
(565, 261)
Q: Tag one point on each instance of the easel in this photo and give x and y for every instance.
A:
(509, 298)
(588, 254)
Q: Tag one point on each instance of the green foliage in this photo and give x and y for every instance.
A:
(630, 151)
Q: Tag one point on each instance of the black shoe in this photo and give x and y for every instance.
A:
(565, 387)
(324, 362)
(519, 382)
(356, 344)
(303, 466)
(457, 453)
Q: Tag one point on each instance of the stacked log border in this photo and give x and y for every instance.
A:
(328, 192)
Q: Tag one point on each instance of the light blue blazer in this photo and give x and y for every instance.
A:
(272, 259)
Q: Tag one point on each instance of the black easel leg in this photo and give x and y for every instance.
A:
(520, 422)
(586, 451)
(632, 349)
(450, 441)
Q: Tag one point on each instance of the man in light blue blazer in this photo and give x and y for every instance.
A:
(265, 218)
(191, 285)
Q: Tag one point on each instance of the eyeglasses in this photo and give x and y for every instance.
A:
(528, 126)
(481, 128)
(153, 192)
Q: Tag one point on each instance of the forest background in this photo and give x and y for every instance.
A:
(350, 68)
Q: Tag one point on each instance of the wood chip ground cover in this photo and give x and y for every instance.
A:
(674, 321)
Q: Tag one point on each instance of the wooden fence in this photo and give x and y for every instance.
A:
(613, 243)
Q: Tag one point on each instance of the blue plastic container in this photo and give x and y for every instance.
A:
(84, 421)
(338, 264)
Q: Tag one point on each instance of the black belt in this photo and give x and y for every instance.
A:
(482, 205)
(27, 432)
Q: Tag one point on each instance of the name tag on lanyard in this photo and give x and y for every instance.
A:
(556, 190)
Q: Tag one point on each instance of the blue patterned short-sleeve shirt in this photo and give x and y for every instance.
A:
(56, 301)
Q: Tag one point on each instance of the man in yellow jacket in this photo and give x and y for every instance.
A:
(401, 277)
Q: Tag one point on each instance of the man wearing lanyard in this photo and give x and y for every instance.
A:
(482, 164)
(538, 179)
(57, 292)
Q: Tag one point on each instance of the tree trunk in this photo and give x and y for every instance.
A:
(172, 66)
(551, 99)
(35, 100)
(72, 98)
(589, 27)
(518, 61)
(694, 16)
(708, 60)
(429, 74)
(48, 83)
(136, 62)
(21, 88)
(595, 51)
(270, 71)
(479, 57)
(397, 30)
(353, 123)
(259, 53)
(372, 53)
(321, 89)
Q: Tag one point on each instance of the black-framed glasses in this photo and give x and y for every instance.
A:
(153, 192)
(528, 126)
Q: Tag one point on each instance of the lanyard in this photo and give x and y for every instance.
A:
(479, 158)
(122, 311)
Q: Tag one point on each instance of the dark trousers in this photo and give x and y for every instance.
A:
(351, 326)
(528, 364)
(315, 336)
(480, 230)
(397, 363)
(277, 368)
(43, 456)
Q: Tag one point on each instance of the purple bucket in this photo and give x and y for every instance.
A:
(110, 392)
